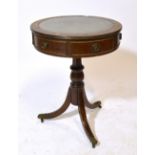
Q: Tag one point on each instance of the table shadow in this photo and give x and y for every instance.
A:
(112, 75)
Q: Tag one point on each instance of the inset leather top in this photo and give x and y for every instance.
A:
(76, 36)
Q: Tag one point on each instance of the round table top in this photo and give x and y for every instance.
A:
(76, 36)
(76, 27)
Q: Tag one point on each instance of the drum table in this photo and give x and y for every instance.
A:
(76, 37)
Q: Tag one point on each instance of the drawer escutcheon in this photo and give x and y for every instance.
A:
(95, 47)
(44, 45)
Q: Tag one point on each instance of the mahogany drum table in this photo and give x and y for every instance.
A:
(76, 37)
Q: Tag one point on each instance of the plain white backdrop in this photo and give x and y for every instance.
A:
(43, 82)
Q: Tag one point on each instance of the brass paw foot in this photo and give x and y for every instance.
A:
(94, 143)
(83, 116)
(58, 112)
(94, 105)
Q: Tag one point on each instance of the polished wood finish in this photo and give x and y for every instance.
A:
(67, 44)
(76, 95)
(77, 46)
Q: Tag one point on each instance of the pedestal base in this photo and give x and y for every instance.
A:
(76, 95)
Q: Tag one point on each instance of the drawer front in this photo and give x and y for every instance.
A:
(91, 48)
(75, 48)
(52, 47)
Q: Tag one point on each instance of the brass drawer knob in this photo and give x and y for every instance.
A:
(120, 36)
(95, 47)
(44, 45)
